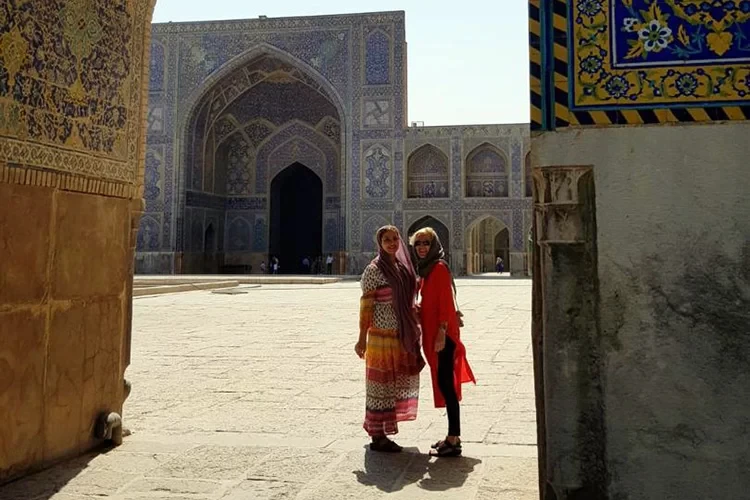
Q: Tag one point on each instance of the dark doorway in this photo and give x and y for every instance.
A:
(209, 239)
(502, 246)
(210, 262)
(296, 218)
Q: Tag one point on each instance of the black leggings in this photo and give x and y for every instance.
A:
(446, 363)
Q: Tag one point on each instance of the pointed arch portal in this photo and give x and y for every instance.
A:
(486, 240)
(296, 228)
(263, 156)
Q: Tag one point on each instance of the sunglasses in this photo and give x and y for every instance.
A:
(421, 244)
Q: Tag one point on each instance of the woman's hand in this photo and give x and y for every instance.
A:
(360, 348)
(440, 340)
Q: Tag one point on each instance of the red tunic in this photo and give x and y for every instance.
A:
(437, 306)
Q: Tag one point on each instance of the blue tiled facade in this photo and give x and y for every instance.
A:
(233, 103)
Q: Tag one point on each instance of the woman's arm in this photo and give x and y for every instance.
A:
(366, 309)
(444, 289)
(446, 306)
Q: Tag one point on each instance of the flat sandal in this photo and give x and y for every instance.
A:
(440, 443)
(447, 450)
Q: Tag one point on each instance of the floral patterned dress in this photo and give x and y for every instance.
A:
(392, 374)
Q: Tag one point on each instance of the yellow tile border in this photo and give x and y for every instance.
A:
(31, 176)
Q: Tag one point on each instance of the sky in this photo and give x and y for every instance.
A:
(468, 61)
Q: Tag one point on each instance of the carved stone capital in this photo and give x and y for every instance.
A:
(559, 201)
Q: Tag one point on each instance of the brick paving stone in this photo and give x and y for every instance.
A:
(260, 396)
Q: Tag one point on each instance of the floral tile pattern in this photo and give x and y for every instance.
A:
(680, 31)
(628, 53)
(70, 85)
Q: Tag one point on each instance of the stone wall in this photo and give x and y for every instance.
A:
(71, 176)
(642, 272)
(673, 278)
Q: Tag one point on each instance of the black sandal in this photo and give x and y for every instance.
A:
(446, 449)
(385, 445)
(440, 443)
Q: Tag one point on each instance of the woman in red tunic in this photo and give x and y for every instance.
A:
(441, 337)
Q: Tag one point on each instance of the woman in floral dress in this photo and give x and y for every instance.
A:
(389, 340)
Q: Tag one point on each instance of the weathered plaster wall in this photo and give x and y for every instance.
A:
(71, 182)
(673, 237)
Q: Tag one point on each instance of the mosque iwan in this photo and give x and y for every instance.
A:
(289, 138)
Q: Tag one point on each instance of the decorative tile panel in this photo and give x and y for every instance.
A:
(148, 234)
(377, 58)
(71, 86)
(518, 231)
(154, 173)
(155, 118)
(331, 231)
(157, 66)
(236, 154)
(378, 172)
(249, 203)
(260, 230)
(377, 113)
(660, 52)
(238, 235)
(204, 200)
(638, 61)
(678, 32)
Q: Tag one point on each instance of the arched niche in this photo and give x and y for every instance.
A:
(487, 172)
(428, 173)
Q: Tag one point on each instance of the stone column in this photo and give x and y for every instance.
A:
(517, 264)
(566, 293)
(71, 183)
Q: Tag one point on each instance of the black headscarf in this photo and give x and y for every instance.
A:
(435, 255)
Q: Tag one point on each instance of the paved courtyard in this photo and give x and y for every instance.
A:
(260, 396)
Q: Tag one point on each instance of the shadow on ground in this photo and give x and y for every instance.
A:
(392, 472)
(47, 483)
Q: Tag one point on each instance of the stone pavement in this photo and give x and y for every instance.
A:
(260, 396)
